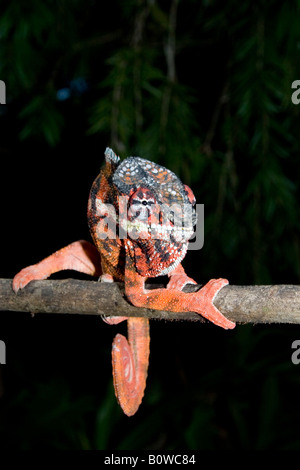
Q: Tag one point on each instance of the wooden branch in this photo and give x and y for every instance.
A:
(242, 304)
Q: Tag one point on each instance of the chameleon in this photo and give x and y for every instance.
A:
(136, 236)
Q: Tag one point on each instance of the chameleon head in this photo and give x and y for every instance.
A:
(160, 214)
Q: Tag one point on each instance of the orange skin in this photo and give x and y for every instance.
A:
(129, 358)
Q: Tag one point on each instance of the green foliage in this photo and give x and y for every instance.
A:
(205, 89)
(41, 118)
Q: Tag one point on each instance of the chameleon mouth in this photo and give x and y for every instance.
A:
(143, 230)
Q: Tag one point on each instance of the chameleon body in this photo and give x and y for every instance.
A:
(138, 237)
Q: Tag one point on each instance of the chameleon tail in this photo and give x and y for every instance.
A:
(130, 364)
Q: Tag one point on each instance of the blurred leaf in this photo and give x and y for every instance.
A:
(107, 418)
(41, 118)
(199, 433)
(267, 425)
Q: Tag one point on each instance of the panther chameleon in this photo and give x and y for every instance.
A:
(137, 237)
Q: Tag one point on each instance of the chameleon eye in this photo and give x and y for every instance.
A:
(141, 205)
(142, 196)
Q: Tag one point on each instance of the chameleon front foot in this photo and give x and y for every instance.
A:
(81, 256)
(26, 275)
(202, 302)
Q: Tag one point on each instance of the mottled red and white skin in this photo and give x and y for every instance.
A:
(136, 236)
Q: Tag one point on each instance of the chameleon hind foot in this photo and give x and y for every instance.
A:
(202, 302)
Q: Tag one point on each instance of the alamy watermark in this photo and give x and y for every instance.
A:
(295, 357)
(2, 92)
(145, 220)
(296, 94)
(196, 241)
(2, 352)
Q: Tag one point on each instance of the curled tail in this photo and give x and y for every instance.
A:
(130, 364)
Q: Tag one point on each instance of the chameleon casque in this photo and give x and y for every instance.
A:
(143, 242)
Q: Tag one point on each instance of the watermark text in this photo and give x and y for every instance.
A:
(2, 352)
(168, 223)
(296, 94)
(296, 354)
(2, 92)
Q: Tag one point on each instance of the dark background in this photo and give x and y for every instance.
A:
(204, 88)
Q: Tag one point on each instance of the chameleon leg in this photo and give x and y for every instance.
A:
(112, 320)
(179, 278)
(81, 256)
(174, 300)
(130, 364)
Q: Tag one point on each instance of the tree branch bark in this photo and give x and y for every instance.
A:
(242, 304)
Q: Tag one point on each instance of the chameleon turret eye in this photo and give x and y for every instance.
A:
(141, 205)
